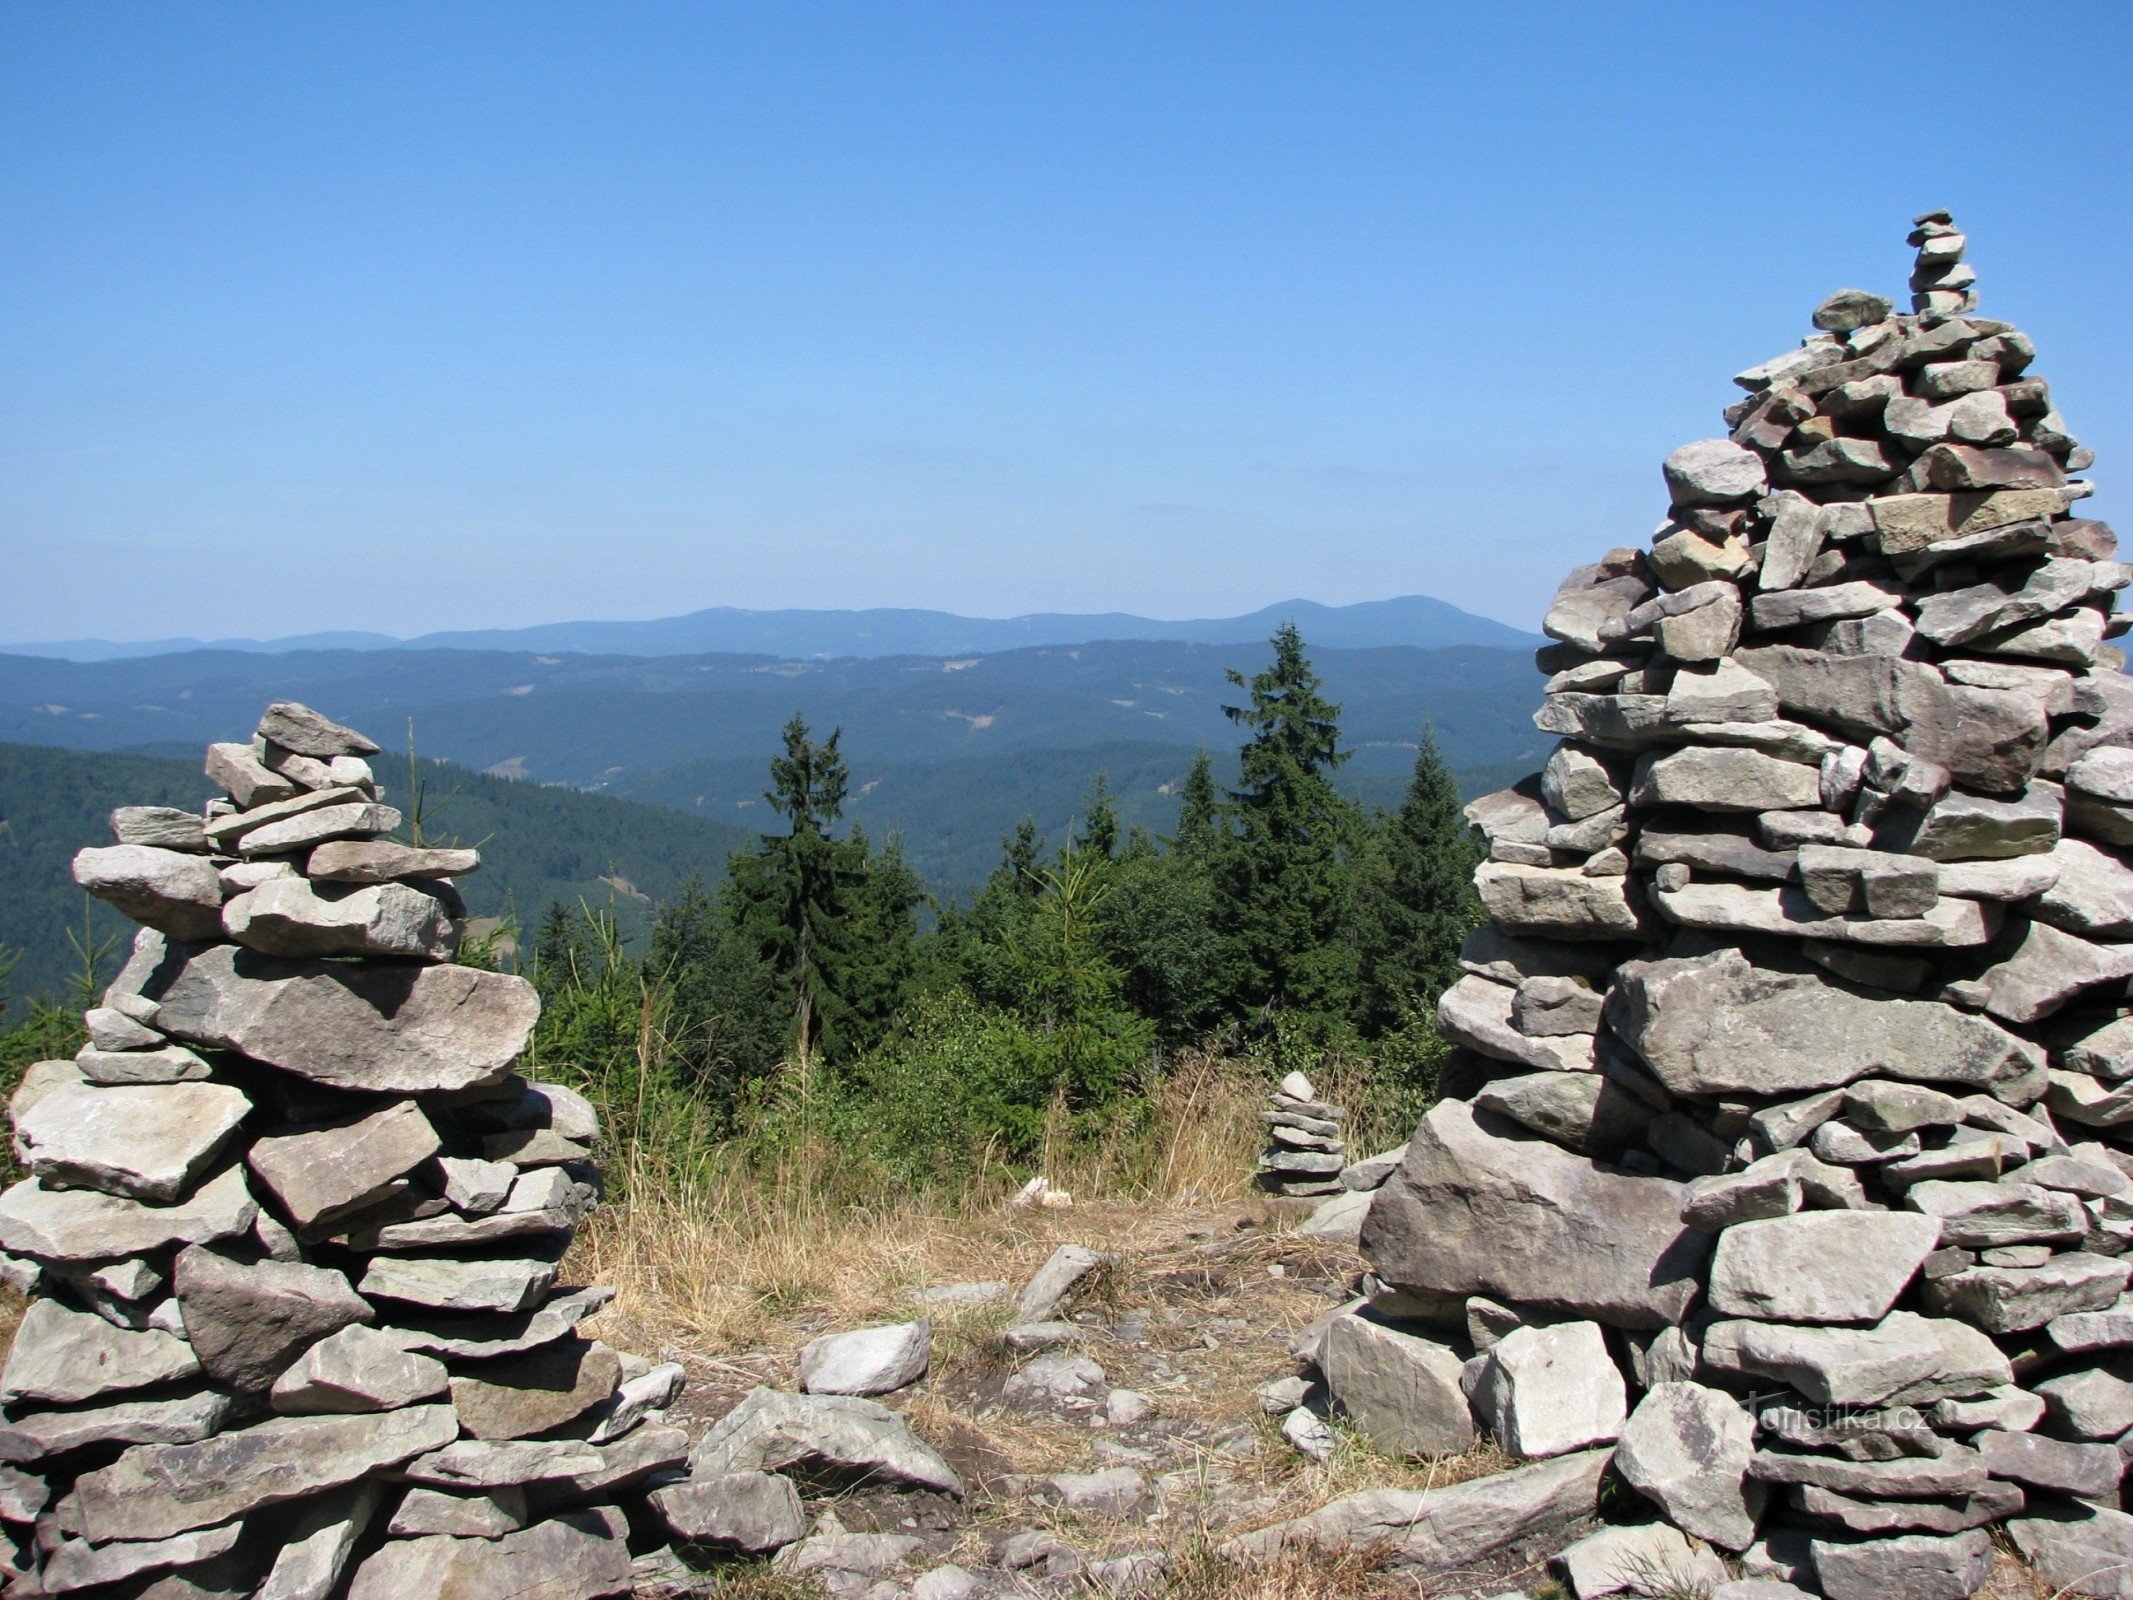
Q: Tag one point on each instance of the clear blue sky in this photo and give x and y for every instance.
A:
(406, 317)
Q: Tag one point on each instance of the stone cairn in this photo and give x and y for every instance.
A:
(1783, 1165)
(1305, 1152)
(293, 1234)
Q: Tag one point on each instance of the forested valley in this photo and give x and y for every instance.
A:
(818, 995)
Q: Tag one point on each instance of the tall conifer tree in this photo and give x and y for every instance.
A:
(1285, 879)
(790, 896)
(1416, 901)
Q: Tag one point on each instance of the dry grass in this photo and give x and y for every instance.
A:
(732, 1258)
(1200, 1572)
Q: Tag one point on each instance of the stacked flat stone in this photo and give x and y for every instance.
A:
(1305, 1151)
(294, 1232)
(1786, 1147)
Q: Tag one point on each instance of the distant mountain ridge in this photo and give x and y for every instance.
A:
(1417, 621)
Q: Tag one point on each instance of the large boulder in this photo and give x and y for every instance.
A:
(1475, 1210)
(1721, 1024)
(382, 1028)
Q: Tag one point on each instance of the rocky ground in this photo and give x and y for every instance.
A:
(1125, 1456)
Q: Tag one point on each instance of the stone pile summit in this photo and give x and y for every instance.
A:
(1787, 1150)
(294, 1232)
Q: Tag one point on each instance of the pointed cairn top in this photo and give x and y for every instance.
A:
(1942, 283)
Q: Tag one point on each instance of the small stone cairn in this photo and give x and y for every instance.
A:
(294, 1231)
(1784, 1167)
(1305, 1151)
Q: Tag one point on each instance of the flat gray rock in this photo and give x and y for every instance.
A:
(170, 1063)
(159, 828)
(147, 1141)
(179, 1420)
(1915, 1566)
(357, 1369)
(176, 892)
(1444, 1530)
(383, 1028)
(1056, 1279)
(839, 1438)
(1984, 1215)
(1546, 1391)
(756, 1512)
(1587, 1112)
(352, 819)
(537, 1392)
(1686, 1448)
(1475, 1211)
(1819, 1266)
(1829, 1365)
(249, 1320)
(1558, 902)
(1401, 1391)
(295, 726)
(1720, 1024)
(292, 916)
(1642, 1557)
(63, 1357)
(2087, 1471)
(461, 1516)
(83, 1225)
(383, 861)
(443, 1284)
(479, 1338)
(2092, 1402)
(867, 1360)
(575, 1557)
(77, 1564)
(2013, 1299)
(155, 1491)
(316, 1542)
(322, 1174)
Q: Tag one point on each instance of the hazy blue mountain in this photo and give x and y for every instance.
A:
(1413, 620)
(600, 722)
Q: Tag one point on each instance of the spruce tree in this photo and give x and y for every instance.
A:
(1285, 878)
(1021, 855)
(790, 896)
(1098, 835)
(1416, 902)
(868, 975)
(1199, 820)
(729, 1021)
(556, 945)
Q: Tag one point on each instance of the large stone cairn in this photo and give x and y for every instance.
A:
(1305, 1151)
(1787, 1144)
(293, 1234)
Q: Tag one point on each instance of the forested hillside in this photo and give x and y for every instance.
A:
(539, 845)
(606, 722)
